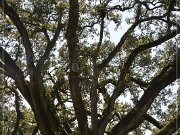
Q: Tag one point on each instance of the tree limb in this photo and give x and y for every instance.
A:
(135, 117)
(121, 84)
(22, 31)
(140, 82)
(153, 121)
(93, 91)
(170, 127)
(18, 113)
(50, 44)
(103, 90)
(9, 65)
(123, 39)
(13, 71)
(120, 8)
(35, 130)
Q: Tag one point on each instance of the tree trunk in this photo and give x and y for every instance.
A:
(71, 34)
(43, 110)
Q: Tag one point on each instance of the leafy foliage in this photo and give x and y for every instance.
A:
(59, 56)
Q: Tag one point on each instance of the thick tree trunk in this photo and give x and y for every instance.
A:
(43, 110)
(78, 104)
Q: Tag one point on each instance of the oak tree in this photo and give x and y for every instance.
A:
(63, 58)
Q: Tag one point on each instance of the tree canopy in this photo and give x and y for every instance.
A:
(63, 58)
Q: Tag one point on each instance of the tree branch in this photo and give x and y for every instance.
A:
(121, 84)
(44, 30)
(35, 130)
(171, 5)
(123, 39)
(153, 121)
(18, 112)
(135, 117)
(140, 82)
(93, 91)
(120, 8)
(9, 65)
(22, 31)
(170, 127)
(103, 90)
(13, 71)
(147, 46)
(50, 44)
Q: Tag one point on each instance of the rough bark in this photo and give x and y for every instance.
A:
(72, 40)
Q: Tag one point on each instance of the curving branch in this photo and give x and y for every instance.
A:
(121, 81)
(135, 117)
(9, 65)
(112, 54)
(12, 70)
(122, 8)
(51, 43)
(141, 48)
(22, 31)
